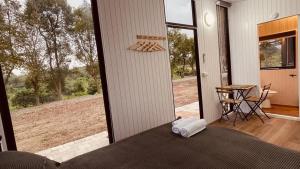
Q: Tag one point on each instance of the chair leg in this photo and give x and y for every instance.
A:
(264, 112)
(240, 114)
(235, 110)
(259, 117)
(224, 113)
(227, 117)
(236, 114)
(253, 110)
(244, 117)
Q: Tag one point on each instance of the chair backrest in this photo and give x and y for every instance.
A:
(223, 93)
(265, 92)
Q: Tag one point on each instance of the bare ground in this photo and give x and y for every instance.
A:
(49, 125)
(53, 124)
(185, 91)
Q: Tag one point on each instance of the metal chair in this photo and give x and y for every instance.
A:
(258, 101)
(229, 105)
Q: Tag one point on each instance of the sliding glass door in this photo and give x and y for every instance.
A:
(51, 76)
(184, 60)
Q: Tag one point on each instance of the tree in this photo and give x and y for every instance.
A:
(175, 39)
(54, 23)
(84, 39)
(192, 58)
(267, 51)
(33, 55)
(10, 33)
(182, 51)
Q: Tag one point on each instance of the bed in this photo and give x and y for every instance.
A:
(212, 148)
(159, 148)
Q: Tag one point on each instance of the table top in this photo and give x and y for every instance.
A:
(237, 87)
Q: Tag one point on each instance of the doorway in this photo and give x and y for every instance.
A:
(278, 55)
(184, 60)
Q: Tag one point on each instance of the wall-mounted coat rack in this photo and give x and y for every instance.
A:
(147, 43)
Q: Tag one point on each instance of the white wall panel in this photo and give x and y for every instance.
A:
(243, 19)
(139, 84)
(208, 45)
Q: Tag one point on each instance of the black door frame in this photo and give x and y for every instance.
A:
(6, 117)
(198, 70)
(102, 67)
(4, 106)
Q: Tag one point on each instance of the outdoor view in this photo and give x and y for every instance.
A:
(277, 53)
(184, 73)
(49, 60)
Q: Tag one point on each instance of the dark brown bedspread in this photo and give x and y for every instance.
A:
(212, 148)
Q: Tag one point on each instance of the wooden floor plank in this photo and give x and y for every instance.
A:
(281, 132)
(283, 110)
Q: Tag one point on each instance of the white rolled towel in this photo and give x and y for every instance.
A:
(193, 128)
(176, 128)
(183, 120)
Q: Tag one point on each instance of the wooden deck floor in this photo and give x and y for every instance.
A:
(281, 132)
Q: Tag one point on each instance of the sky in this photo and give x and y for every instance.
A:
(180, 11)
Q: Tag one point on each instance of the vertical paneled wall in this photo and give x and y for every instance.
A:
(139, 83)
(243, 19)
(208, 45)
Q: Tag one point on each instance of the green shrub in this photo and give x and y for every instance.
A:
(23, 98)
(92, 88)
(76, 87)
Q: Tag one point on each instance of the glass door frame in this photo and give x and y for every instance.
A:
(9, 135)
(196, 44)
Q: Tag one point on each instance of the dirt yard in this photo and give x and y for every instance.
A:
(46, 126)
(53, 124)
(185, 91)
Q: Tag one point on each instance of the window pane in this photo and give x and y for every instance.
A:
(52, 77)
(179, 11)
(278, 53)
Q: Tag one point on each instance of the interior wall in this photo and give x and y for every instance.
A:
(243, 19)
(209, 65)
(282, 82)
(139, 83)
(285, 86)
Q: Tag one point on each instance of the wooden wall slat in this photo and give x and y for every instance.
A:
(278, 26)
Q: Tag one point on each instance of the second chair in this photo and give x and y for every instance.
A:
(257, 101)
